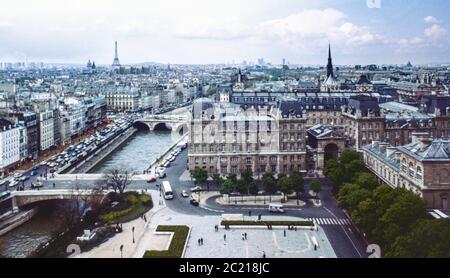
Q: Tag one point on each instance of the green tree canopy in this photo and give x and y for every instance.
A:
(200, 176)
(270, 184)
(315, 186)
(401, 216)
(285, 185)
(427, 239)
(366, 180)
(227, 187)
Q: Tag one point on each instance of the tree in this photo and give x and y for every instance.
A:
(270, 185)
(227, 187)
(400, 217)
(218, 180)
(354, 198)
(345, 190)
(118, 180)
(253, 188)
(242, 187)
(315, 186)
(365, 217)
(348, 156)
(200, 176)
(366, 180)
(428, 238)
(298, 184)
(285, 186)
(247, 176)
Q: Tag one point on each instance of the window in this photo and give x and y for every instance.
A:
(411, 170)
(419, 173)
(404, 165)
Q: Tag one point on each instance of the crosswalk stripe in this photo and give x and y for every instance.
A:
(341, 222)
(333, 221)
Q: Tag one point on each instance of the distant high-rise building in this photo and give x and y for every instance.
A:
(116, 62)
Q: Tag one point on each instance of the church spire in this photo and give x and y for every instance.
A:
(330, 63)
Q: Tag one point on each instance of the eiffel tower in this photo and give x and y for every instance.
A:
(116, 62)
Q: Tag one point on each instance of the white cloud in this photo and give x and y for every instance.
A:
(314, 28)
(430, 19)
(434, 31)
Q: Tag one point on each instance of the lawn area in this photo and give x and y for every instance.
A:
(131, 207)
(176, 245)
(265, 223)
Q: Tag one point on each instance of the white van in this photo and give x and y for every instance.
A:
(276, 208)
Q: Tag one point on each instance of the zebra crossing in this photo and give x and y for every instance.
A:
(330, 221)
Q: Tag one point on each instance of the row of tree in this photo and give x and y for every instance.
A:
(247, 185)
(395, 219)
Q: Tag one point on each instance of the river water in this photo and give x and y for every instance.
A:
(136, 154)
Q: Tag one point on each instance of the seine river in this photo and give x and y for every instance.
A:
(136, 154)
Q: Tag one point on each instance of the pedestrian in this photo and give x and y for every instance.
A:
(245, 235)
(201, 241)
(224, 237)
(295, 228)
(264, 255)
(198, 242)
(284, 233)
(54, 185)
(145, 218)
(249, 213)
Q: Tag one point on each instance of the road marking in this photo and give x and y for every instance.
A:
(213, 210)
(354, 246)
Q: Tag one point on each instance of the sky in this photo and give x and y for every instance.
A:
(226, 31)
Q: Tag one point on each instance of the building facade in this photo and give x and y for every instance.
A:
(422, 166)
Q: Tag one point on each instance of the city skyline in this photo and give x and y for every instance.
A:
(200, 32)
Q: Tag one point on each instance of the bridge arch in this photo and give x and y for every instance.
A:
(182, 129)
(162, 127)
(142, 126)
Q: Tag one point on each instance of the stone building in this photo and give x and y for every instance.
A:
(422, 166)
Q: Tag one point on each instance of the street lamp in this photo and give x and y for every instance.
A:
(132, 229)
(121, 251)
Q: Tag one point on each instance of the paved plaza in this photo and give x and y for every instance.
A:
(296, 244)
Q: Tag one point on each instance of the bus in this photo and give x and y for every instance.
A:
(167, 190)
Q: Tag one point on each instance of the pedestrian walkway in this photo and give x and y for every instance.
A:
(330, 221)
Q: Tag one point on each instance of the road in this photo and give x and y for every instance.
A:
(345, 239)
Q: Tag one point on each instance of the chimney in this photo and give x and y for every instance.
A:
(383, 147)
(375, 144)
(397, 156)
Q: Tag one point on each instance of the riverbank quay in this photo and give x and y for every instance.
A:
(102, 153)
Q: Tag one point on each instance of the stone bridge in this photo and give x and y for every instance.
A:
(175, 123)
(23, 198)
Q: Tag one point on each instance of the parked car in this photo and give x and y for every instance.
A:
(196, 189)
(184, 194)
(24, 178)
(13, 183)
(194, 202)
(33, 173)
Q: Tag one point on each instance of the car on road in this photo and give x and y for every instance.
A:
(184, 194)
(17, 175)
(278, 208)
(33, 173)
(194, 202)
(151, 179)
(43, 163)
(161, 175)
